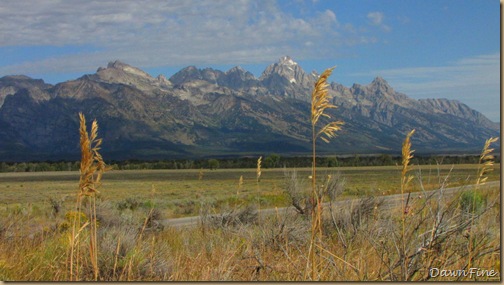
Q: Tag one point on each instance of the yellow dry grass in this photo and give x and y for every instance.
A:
(319, 103)
(258, 170)
(92, 167)
(486, 161)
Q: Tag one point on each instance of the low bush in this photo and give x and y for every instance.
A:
(472, 202)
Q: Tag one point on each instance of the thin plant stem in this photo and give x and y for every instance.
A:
(319, 103)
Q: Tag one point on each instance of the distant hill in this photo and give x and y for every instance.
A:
(207, 112)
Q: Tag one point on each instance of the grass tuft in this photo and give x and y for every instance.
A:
(485, 167)
(407, 155)
(319, 103)
(258, 170)
(486, 161)
(92, 167)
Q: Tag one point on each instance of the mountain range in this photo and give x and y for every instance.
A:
(200, 113)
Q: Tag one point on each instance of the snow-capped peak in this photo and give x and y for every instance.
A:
(287, 61)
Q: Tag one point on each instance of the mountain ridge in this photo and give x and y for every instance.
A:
(198, 112)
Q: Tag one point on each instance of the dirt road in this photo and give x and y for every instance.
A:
(390, 201)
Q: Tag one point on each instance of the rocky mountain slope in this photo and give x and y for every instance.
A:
(207, 112)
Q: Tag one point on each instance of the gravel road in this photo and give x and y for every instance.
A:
(390, 201)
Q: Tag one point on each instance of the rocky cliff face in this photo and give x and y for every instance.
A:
(200, 112)
(10, 85)
(121, 73)
(457, 109)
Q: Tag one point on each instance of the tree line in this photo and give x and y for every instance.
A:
(269, 161)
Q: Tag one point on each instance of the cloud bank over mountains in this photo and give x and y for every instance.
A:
(146, 33)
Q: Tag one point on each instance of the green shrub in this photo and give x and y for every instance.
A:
(213, 164)
(472, 202)
(128, 203)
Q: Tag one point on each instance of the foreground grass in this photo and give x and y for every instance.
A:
(359, 241)
(273, 248)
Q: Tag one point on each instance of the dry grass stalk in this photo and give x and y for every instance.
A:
(407, 155)
(92, 168)
(320, 102)
(118, 247)
(200, 174)
(91, 160)
(295, 189)
(258, 171)
(240, 185)
(486, 162)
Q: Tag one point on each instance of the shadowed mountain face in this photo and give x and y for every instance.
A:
(206, 112)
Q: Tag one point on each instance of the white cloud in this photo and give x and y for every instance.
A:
(160, 33)
(330, 16)
(480, 70)
(376, 19)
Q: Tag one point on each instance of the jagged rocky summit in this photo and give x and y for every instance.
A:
(207, 112)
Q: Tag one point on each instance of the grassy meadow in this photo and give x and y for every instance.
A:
(36, 209)
(179, 193)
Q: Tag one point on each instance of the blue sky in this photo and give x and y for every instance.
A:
(425, 49)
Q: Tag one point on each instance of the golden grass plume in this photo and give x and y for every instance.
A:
(319, 103)
(258, 171)
(92, 165)
(486, 161)
(407, 155)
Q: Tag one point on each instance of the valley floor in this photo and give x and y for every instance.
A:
(365, 238)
